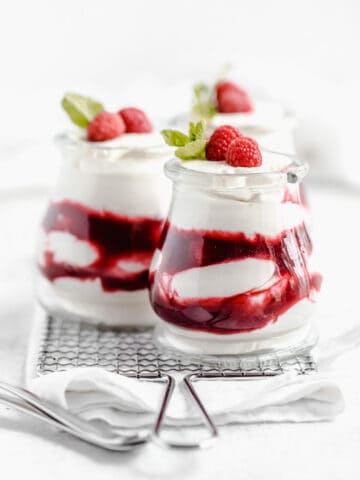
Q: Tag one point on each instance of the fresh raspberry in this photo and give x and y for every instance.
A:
(136, 120)
(219, 142)
(232, 99)
(244, 152)
(105, 126)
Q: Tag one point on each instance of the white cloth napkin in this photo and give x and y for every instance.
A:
(99, 395)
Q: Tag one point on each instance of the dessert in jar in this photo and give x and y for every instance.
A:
(104, 218)
(227, 103)
(233, 272)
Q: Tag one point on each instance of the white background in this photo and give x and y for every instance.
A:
(149, 53)
(304, 51)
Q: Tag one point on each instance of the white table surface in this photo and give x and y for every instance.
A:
(272, 451)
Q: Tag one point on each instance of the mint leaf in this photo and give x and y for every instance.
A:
(190, 147)
(192, 151)
(203, 102)
(197, 130)
(175, 138)
(81, 110)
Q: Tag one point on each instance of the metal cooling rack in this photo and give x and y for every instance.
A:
(132, 352)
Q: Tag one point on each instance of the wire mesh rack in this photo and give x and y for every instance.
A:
(133, 352)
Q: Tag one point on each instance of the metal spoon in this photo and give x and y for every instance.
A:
(103, 436)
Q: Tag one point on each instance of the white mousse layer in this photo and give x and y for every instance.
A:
(223, 213)
(223, 280)
(131, 267)
(271, 162)
(68, 249)
(83, 290)
(266, 116)
(123, 176)
(86, 300)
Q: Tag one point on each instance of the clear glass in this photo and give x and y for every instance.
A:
(232, 273)
(100, 230)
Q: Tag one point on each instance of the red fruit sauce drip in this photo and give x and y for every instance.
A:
(184, 249)
(115, 238)
(298, 196)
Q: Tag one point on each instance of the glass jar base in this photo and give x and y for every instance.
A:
(117, 311)
(206, 346)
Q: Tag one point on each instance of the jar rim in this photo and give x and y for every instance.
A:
(294, 172)
(72, 139)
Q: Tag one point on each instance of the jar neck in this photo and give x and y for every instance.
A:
(257, 182)
(135, 157)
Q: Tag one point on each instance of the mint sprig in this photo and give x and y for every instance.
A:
(191, 146)
(203, 101)
(175, 138)
(80, 109)
(192, 151)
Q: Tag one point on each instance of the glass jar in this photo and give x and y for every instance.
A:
(232, 273)
(101, 228)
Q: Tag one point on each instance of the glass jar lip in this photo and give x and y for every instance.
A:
(73, 139)
(294, 172)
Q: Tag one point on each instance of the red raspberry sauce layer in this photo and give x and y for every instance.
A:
(115, 238)
(245, 312)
